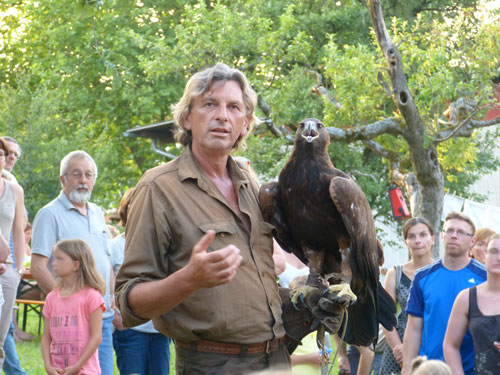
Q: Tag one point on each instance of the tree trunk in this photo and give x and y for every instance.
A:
(423, 153)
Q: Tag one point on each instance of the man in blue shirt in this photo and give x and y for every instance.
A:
(71, 215)
(433, 292)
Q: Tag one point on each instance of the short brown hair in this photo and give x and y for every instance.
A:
(200, 83)
(410, 223)
(454, 215)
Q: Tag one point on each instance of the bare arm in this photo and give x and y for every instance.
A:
(18, 227)
(41, 273)
(4, 249)
(279, 258)
(343, 361)
(457, 326)
(93, 343)
(392, 336)
(311, 358)
(412, 342)
(46, 340)
(365, 360)
(204, 270)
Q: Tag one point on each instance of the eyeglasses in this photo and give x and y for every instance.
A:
(77, 175)
(459, 232)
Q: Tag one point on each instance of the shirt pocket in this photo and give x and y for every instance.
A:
(225, 233)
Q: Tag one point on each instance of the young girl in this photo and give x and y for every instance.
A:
(478, 309)
(73, 312)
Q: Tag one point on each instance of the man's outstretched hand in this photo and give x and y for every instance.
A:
(209, 269)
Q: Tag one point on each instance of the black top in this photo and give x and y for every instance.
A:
(484, 329)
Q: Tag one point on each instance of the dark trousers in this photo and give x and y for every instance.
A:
(190, 362)
(141, 353)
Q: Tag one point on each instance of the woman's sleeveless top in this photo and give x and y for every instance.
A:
(7, 213)
(389, 364)
(484, 330)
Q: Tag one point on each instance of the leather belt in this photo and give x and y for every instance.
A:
(209, 346)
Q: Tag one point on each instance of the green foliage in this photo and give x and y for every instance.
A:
(76, 75)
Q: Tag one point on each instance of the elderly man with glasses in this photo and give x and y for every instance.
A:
(433, 292)
(71, 215)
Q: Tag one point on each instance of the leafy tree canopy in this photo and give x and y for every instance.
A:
(75, 75)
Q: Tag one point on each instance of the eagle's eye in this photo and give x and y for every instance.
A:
(320, 125)
(301, 124)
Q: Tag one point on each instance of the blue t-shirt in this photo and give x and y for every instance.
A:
(432, 295)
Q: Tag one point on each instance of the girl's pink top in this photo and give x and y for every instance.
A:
(70, 328)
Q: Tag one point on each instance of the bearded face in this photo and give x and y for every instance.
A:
(80, 194)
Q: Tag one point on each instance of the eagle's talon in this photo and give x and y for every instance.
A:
(301, 297)
(343, 294)
(295, 306)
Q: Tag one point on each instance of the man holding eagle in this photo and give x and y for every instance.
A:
(198, 257)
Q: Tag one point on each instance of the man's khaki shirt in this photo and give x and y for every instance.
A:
(173, 207)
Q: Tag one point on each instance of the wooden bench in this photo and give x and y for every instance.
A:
(31, 305)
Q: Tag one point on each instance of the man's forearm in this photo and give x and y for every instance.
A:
(44, 278)
(154, 298)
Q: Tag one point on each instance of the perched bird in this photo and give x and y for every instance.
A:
(322, 216)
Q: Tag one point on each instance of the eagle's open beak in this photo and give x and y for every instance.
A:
(310, 132)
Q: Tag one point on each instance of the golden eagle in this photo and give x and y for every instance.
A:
(323, 217)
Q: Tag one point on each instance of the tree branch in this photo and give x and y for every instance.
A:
(378, 149)
(362, 133)
(465, 129)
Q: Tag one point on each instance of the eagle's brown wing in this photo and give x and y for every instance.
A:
(356, 214)
(362, 258)
(272, 213)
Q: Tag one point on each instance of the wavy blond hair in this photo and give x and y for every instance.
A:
(88, 275)
(202, 82)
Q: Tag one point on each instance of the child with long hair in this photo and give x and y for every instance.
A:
(73, 312)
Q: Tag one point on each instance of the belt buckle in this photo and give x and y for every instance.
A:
(268, 344)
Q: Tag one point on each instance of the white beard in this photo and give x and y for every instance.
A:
(77, 197)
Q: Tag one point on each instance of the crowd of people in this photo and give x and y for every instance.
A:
(198, 264)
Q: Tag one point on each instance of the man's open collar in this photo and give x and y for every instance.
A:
(67, 203)
(189, 168)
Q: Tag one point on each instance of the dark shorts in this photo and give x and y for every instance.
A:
(188, 362)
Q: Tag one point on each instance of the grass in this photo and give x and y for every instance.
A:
(30, 352)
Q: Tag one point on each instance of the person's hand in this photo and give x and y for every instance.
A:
(315, 359)
(50, 370)
(71, 370)
(496, 344)
(397, 352)
(117, 322)
(209, 269)
(344, 364)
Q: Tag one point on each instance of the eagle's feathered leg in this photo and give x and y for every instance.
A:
(345, 296)
(315, 263)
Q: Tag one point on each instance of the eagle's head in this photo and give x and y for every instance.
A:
(312, 131)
